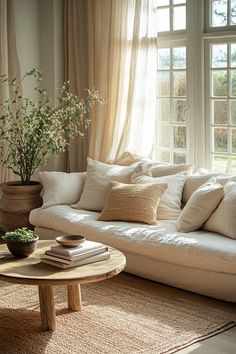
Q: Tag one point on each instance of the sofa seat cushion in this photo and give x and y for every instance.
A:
(162, 241)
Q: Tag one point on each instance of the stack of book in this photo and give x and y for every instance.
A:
(64, 257)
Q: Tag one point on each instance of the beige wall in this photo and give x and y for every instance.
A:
(39, 36)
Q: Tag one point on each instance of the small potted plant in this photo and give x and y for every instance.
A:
(21, 242)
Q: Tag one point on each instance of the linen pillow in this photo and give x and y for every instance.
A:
(170, 204)
(159, 169)
(200, 206)
(167, 170)
(99, 176)
(223, 220)
(61, 187)
(132, 202)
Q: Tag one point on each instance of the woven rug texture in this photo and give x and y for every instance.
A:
(116, 318)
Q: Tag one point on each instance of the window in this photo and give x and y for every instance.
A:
(223, 106)
(222, 13)
(220, 84)
(196, 86)
(171, 15)
(172, 104)
(172, 135)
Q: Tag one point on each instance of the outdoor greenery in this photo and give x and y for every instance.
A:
(32, 132)
(21, 235)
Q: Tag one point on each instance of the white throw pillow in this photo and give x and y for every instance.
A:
(61, 187)
(200, 206)
(99, 176)
(167, 170)
(160, 169)
(170, 203)
(223, 220)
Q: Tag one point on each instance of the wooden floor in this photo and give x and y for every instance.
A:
(224, 343)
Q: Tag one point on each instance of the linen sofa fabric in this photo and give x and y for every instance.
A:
(198, 249)
(132, 202)
(61, 187)
(200, 206)
(99, 176)
(223, 220)
(170, 204)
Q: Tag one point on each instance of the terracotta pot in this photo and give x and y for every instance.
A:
(22, 249)
(17, 202)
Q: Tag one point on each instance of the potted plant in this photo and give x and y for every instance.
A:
(21, 242)
(31, 133)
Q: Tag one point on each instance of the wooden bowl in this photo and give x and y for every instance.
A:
(70, 241)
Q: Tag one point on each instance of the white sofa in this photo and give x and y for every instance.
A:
(199, 261)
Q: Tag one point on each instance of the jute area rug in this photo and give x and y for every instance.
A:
(116, 318)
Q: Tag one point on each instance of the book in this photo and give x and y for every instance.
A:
(86, 246)
(67, 260)
(78, 256)
(93, 259)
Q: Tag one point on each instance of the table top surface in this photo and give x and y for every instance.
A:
(31, 271)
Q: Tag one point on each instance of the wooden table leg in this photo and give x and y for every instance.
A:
(47, 307)
(74, 297)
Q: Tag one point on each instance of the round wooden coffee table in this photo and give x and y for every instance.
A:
(31, 271)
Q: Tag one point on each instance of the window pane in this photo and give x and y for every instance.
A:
(163, 19)
(219, 13)
(165, 135)
(164, 110)
(233, 55)
(220, 140)
(175, 2)
(233, 12)
(220, 112)
(164, 83)
(180, 137)
(219, 56)
(219, 83)
(179, 81)
(179, 157)
(163, 2)
(179, 58)
(179, 110)
(165, 156)
(233, 139)
(179, 18)
(221, 164)
(164, 58)
(233, 82)
(233, 112)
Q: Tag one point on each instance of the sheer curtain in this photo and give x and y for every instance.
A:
(9, 63)
(111, 45)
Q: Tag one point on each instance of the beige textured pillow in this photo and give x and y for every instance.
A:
(170, 203)
(132, 202)
(200, 206)
(223, 220)
(99, 176)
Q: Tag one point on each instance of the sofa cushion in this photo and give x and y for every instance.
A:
(223, 220)
(170, 203)
(193, 182)
(200, 206)
(132, 202)
(61, 188)
(197, 249)
(99, 176)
